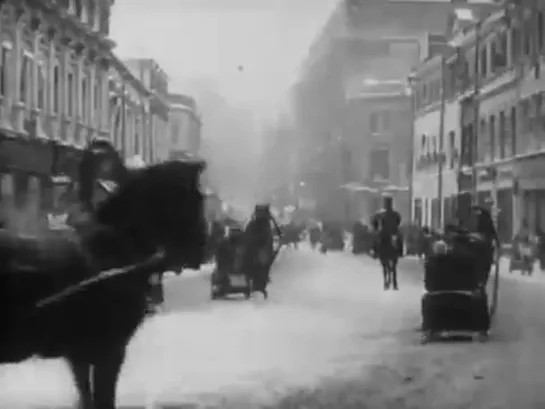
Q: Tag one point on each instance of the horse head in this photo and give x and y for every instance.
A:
(161, 206)
(100, 161)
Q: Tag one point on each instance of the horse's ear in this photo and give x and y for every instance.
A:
(200, 166)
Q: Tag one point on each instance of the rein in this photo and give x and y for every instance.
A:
(152, 263)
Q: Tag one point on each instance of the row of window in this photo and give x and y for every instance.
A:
(497, 137)
(43, 90)
(429, 152)
(380, 121)
(502, 50)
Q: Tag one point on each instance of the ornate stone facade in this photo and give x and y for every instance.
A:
(55, 60)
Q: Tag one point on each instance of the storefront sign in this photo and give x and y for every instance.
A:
(33, 156)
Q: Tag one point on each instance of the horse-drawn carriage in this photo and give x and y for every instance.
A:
(457, 270)
(229, 277)
(81, 298)
(245, 256)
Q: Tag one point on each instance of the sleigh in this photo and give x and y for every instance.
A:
(455, 301)
(228, 276)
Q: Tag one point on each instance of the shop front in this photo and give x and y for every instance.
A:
(530, 192)
(25, 165)
(499, 177)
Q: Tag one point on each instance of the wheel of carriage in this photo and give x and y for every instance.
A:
(427, 336)
(481, 336)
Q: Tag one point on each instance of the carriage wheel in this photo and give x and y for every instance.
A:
(481, 336)
(426, 337)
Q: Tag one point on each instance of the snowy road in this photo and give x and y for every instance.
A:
(328, 337)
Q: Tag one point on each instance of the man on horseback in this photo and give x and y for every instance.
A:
(388, 247)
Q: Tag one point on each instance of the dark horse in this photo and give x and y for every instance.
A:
(155, 210)
(388, 243)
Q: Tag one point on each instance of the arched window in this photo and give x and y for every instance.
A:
(70, 96)
(56, 85)
(26, 73)
(41, 86)
(84, 98)
(4, 64)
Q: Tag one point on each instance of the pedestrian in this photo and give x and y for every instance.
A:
(540, 248)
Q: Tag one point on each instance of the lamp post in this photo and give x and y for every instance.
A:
(411, 82)
(440, 159)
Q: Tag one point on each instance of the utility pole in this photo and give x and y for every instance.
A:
(440, 162)
(476, 112)
(520, 8)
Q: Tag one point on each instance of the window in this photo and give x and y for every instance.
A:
(452, 148)
(386, 121)
(527, 39)
(25, 78)
(513, 133)
(379, 121)
(483, 61)
(492, 133)
(70, 100)
(502, 135)
(4, 70)
(515, 43)
(380, 164)
(467, 145)
(525, 113)
(137, 144)
(540, 30)
(501, 50)
(84, 99)
(41, 87)
(175, 132)
(536, 123)
(56, 85)
(483, 141)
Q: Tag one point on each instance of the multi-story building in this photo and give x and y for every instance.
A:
(508, 149)
(436, 142)
(376, 148)
(377, 40)
(54, 67)
(155, 80)
(184, 126)
(129, 113)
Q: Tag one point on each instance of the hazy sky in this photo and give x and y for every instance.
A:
(213, 38)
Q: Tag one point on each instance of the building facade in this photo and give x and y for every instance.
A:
(436, 145)
(184, 126)
(377, 148)
(54, 65)
(153, 78)
(507, 151)
(130, 115)
(372, 39)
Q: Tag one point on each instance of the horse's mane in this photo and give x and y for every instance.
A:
(146, 189)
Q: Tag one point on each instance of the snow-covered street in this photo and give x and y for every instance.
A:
(328, 337)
